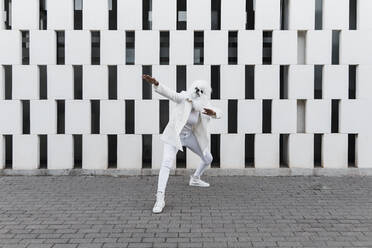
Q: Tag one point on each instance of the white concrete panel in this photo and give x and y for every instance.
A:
(112, 47)
(146, 116)
(43, 47)
(60, 152)
(233, 14)
(301, 150)
(77, 117)
(267, 14)
(363, 84)
(10, 47)
(334, 150)
(60, 14)
(112, 116)
(197, 72)
(77, 47)
(318, 116)
(250, 116)
(43, 117)
(363, 155)
(266, 82)
(284, 49)
(365, 112)
(25, 152)
(335, 82)
(60, 80)
(216, 47)
(219, 125)
(364, 17)
(181, 47)
(249, 47)
(129, 151)
(95, 153)
(266, 151)
(301, 82)
(147, 47)
(129, 14)
(158, 150)
(350, 116)
(233, 147)
(129, 82)
(10, 117)
(335, 14)
(301, 14)
(2, 25)
(232, 82)
(318, 47)
(355, 47)
(95, 82)
(95, 14)
(198, 14)
(284, 116)
(166, 75)
(25, 14)
(25, 82)
(164, 14)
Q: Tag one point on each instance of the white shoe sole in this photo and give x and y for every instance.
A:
(198, 185)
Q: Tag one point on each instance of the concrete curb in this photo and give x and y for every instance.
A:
(184, 172)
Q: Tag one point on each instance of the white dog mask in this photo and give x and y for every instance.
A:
(199, 94)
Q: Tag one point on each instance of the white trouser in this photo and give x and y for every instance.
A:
(189, 140)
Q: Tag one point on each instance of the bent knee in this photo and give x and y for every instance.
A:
(208, 158)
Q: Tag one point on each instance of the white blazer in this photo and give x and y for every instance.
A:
(179, 116)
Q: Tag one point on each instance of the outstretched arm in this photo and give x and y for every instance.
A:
(163, 90)
(213, 111)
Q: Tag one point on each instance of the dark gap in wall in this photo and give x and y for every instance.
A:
(129, 47)
(232, 124)
(181, 78)
(78, 150)
(249, 81)
(351, 149)
(249, 150)
(146, 151)
(146, 12)
(129, 116)
(215, 81)
(43, 149)
(25, 47)
(8, 81)
(112, 146)
(78, 81)
(25, 116)
(43, 84)
(181, 158)
(216, 150)
(318, 81)
(113, 81)
(198, 47)
(352, 81)
(60, 116)
(78, 14)
(318, 149)
(8, 151)
(42, 15)
(60, 47)
(146, 87)
(284, 81)
(266, 115)
(284, 14)
(181, 14)
(267, 47)
(164, 114)
(250, 12)
(113, 15)
(95, 116)
(301, 114)
(233, 48)
(335, 47)
(216, 15)
(353, 14)
(283, 150)
(8, 13)
(164, 47)
(335, 116)
(95, 39)
(318, 14)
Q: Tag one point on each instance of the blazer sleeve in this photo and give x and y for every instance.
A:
(168, 93)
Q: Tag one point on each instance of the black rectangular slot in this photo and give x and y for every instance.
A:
(8, 81)
(60, 47)
(335, 47)
(249, 150)
(232, 124)
(181, 158)
(284, 14)
(78, 151)
(129, 116)
(352, 81)
(60, 116)
(43, 85)
(267, 47)
(26, 116)
(266, 115)
(164, 47)
(353, 14)
(113, 81)
(318, 14)
(351, 149)
(216, 150)
(113, 15)
(335, 115)
(42, 15)
(146, 10)
(112, 146)
(8, 151)
(318, 150)
(250, 14)
(284, 81)
(283, 150)
(181, 14)
(95, 38)
(129, 47)
(249, 81)
(146, 87)
(95, 115)
(198, 47)
(78, 14)
(25, 47)
(7, 10)
(181, 78)
(318, 81)
(216, 15)
(233, 48)
(164, 114)
(78, 81)
(215, 81)
(146, 151)
(43, 156)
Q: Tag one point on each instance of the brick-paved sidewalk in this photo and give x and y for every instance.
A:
(81, 211)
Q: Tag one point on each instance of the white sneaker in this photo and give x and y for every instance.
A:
(159, 204)
(196, 181)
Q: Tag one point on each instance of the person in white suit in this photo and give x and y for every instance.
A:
(188, 126)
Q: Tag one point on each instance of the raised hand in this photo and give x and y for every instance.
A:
(208, 111)
(150, 79)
